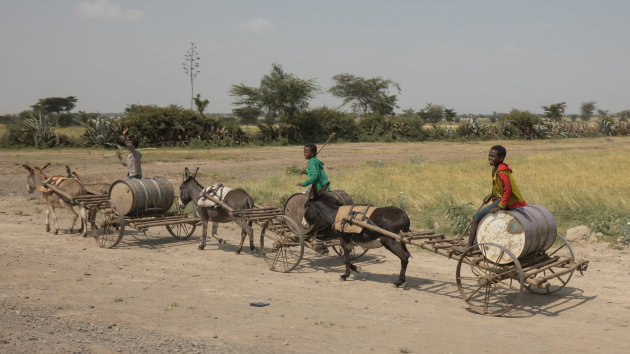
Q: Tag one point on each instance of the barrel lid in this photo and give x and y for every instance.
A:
(294, 208)
(120, 193)
(503, 229)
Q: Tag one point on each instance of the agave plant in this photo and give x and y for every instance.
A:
(40, 130)
(102, 131)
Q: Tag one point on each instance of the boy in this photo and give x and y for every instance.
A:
(315, 170)
(133, 160)
(505, 193)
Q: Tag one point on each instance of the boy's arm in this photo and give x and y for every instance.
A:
(507, 190)
(313, 173)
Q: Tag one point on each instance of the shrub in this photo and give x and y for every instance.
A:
(524, 122)
(173, 125)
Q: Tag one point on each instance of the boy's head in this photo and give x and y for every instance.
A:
(496, 155)
(310, 150)
(132, 142)
(501, 152)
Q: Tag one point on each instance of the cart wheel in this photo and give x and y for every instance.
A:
(108, 224)
(489, 288)
(560, 249)
(281, 244)
(354, 254)
(182, 231)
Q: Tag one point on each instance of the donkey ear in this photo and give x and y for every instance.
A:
(68, 171)
(186, 173)
(28, 167)
(324, 187)
(195, 174)
(46, 165)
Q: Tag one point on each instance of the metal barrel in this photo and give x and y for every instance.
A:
(137, 196)
(525, 231)
(294, 206)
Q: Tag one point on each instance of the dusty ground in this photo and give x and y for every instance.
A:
(62, 293)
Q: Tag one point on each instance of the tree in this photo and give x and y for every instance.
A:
(247, 114)
(432, 113)
(365, 95)
(191, 68)
(555, 111)
(201, 104)
(280, 94)
(54, 106)
(587, 109)
(524, 121)
(449, 114)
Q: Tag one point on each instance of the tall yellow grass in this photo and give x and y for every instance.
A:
(576, 186)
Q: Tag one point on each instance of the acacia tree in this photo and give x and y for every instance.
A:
(432, 113)
(280, 95)
(54, 106)
(587, 109)
(366, 95)
(555, 111)
(191, 69)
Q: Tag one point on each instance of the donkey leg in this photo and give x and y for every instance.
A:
(215, 227)
(75, 216)
(400, 250)
(204, 233)
(250, 231)
(47, 213)
(54, 218)
(347, 250)
(83, 213)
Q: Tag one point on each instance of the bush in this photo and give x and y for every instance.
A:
(173, 125)
(524, 122)
(317, 124)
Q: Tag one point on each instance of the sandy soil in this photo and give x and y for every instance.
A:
(62, 293)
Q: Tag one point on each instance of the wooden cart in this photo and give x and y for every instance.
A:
(491, 288)
(108, 223)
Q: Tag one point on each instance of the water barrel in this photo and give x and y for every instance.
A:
(138, 196)
(525, 231)
(294, 208)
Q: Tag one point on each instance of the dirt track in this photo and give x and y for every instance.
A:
(61, 293)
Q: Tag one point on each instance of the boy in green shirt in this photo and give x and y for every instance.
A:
(315, 170)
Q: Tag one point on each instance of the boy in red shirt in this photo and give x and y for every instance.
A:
(505, 193)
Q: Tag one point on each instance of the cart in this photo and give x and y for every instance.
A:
(108, 222)
(491, 288)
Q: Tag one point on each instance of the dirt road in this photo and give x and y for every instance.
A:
(62, 293)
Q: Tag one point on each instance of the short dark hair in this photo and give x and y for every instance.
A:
(312, 147)
(134, 141)
(500, 150)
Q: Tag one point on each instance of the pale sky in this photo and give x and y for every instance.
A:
(472, 56)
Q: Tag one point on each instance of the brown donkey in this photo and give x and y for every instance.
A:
(70, 186)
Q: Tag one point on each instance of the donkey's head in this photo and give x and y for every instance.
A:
(188, 190)
(36, 176)
(320, 209)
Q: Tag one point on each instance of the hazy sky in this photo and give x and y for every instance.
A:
(472, 56)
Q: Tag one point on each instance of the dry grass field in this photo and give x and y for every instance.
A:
(152, 293)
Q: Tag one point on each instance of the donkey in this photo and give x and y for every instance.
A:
(91, 188)
(236, 199)
(70, 186)
(321, 210)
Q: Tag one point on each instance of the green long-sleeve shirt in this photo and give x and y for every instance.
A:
(316, 174)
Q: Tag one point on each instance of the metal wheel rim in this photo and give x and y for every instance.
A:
(108, 232)
(559, 282)
(285, 248)
(181, 231)
(488, 289)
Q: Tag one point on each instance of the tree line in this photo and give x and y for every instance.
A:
(280, 107)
